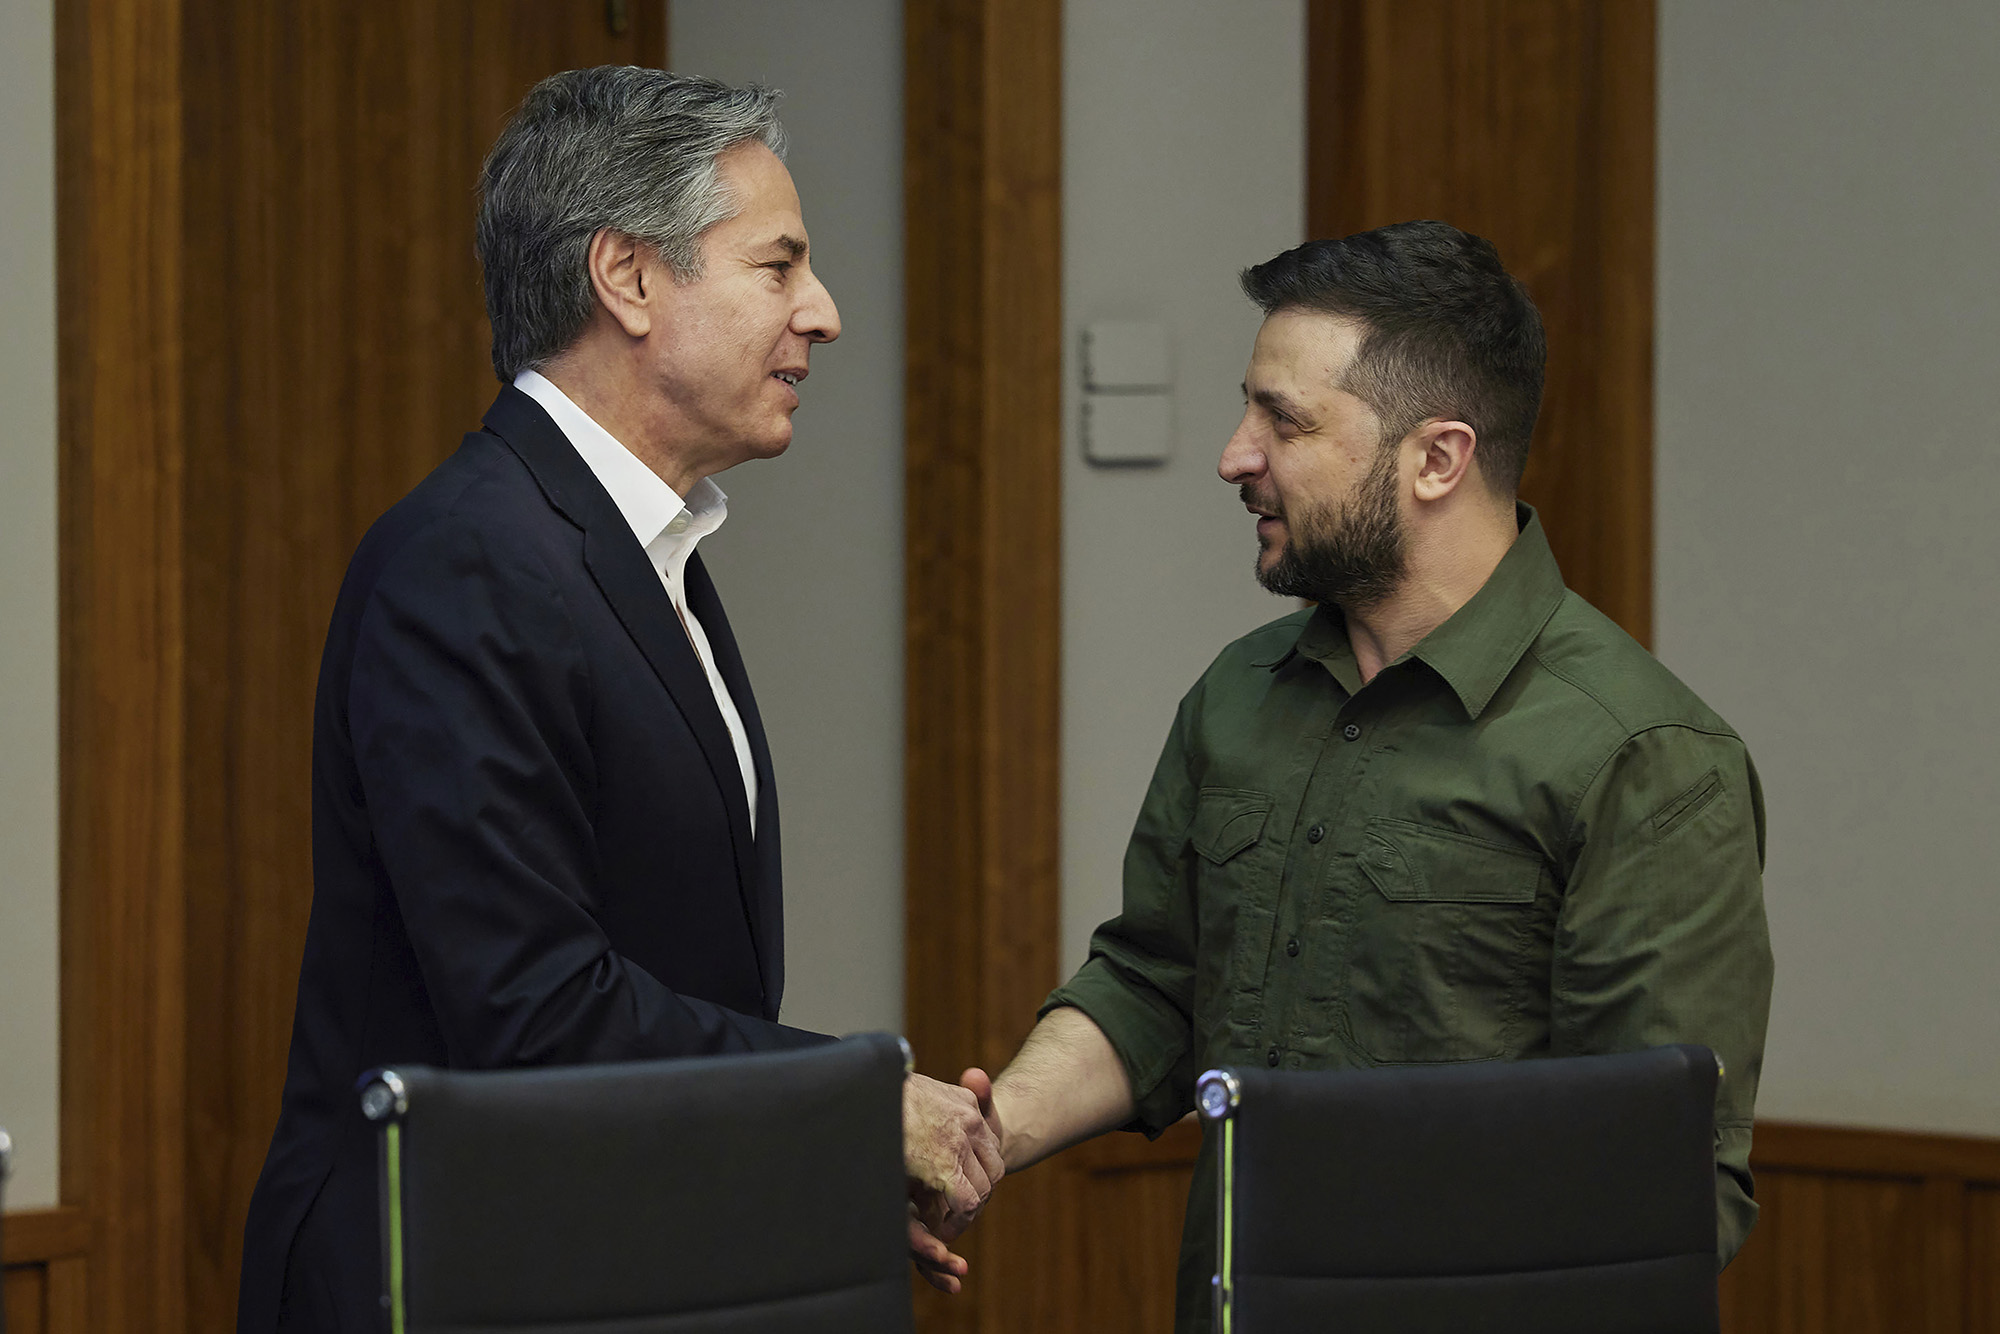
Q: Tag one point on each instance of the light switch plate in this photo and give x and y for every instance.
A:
(1126, 356)
(1128, 428)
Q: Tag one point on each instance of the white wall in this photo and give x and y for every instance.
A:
(28, 1036)
(1183, 161)
(1829, 515)
(811, 561)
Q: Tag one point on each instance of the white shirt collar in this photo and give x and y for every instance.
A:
(667, 526)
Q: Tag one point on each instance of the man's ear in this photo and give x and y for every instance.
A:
(1448, 447)
(625, 276)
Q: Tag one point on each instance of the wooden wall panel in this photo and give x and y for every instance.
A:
(42, 1264)
(266, 227)
(119, 401)
(1128, 1200)
(337, 349)
(1867, 1232)
(982, 189)
(1982, 1260)
(1528, 122)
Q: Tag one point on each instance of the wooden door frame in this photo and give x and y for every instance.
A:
(123, 897)
(114, 1254)
(983, 580)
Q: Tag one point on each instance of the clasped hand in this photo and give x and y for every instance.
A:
(951, 1152)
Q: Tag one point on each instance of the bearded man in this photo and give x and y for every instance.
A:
(1452, 812)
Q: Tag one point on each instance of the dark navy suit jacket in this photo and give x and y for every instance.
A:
(531, 842)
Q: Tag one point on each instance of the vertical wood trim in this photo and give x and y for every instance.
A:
(983, 578)
(118, 96)
(1529, 122)
(67, 1296)
(1945, 1279)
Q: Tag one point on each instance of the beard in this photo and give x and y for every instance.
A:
(1350, 553)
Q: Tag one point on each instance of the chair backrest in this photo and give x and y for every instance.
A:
(738, 1193)
(1566, 1196)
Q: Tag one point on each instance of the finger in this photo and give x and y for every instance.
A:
(969, 1189)
(934, 1260)
(987, 1151)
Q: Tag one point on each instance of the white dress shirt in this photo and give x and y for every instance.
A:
(667, 526)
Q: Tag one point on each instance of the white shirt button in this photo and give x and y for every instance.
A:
(679, 524)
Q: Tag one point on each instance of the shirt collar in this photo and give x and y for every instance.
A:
(653, 510)
(1479, 644)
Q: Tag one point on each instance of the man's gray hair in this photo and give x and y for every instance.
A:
(619, 147)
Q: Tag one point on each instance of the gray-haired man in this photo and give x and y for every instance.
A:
(544, 824)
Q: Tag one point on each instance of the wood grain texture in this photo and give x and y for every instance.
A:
(120, 397)
(272, 260)
(1529, 122)
(37, 1236)
(1868, 1232)
(24, 1299)
(44, 1297)
(982, 196)
(1982, 1260)
(337, 351)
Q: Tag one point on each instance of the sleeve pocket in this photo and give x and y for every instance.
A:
(1227, 820)
(1687, 805)
(1412, 863)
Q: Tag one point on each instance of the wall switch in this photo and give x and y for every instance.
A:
(1127, 428)
(1124, 356)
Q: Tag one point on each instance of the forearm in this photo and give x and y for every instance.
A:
(1065, 1085)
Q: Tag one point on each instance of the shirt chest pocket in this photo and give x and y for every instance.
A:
(1234, 889)
(1445, 945)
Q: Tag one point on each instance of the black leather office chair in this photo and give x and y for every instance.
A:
(697, 1196)
(1565, 1196)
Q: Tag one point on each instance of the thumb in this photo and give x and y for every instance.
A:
(980, 1084)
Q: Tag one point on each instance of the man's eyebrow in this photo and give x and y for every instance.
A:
(1282, 404)
(791, 245)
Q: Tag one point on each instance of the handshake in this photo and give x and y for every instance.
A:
(952, 1154)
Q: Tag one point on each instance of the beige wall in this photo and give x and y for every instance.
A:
(1829, 515)
(28, 1043)
(811, 561)
(1183, 161)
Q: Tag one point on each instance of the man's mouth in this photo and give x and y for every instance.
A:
(791, 378)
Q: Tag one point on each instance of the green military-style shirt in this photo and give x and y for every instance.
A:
(1524, 837)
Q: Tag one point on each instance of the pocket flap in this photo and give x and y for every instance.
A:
(1416, 863)
(1227, 820)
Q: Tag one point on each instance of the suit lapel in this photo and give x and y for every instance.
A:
(706, 604)
(625, 575)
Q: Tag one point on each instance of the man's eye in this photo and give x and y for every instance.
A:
(781, 267)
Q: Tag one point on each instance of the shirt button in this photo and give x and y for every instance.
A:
(1292, 948)
(1352, 731)
(1316, 833)
(1271, 1056)
(679, 525)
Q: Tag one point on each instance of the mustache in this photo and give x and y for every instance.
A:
(1255, 499)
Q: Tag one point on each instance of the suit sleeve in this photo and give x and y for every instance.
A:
(467, 708)
(1662, 937)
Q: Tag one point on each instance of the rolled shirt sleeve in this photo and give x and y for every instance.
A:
(1138, 983)
(1662, 936)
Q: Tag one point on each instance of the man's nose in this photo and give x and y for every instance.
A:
(817, 317)
(1242, 458)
